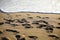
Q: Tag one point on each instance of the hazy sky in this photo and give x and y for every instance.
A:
(30, 5)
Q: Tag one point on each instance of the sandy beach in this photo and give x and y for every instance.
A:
(29, 26)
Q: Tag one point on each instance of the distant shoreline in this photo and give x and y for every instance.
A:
(30, 12)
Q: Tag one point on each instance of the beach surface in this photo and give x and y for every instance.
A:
(29, 26)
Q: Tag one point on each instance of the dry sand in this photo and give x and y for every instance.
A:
(41, 33)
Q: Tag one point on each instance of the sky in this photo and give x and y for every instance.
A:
(52, 6)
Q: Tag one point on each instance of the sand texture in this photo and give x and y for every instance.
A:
(29, 26)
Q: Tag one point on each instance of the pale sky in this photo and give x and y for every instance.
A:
(30, 5)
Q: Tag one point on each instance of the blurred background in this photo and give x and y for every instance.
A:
(52, 6)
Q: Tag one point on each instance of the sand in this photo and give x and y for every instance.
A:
(40, 33)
